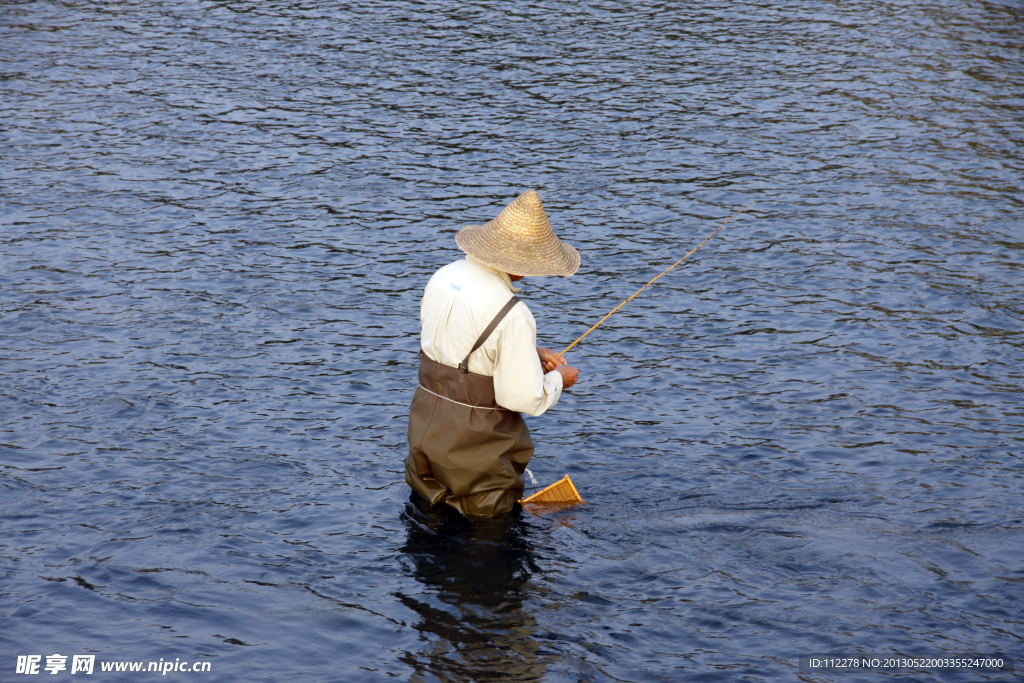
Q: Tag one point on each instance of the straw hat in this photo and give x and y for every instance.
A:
(520, 241)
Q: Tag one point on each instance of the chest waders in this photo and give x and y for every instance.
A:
(464, 449)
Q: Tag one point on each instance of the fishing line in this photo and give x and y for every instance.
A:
(649, 283)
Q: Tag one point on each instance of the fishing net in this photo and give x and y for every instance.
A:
(562, 492)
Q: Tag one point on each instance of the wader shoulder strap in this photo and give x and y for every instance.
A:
(464, 365)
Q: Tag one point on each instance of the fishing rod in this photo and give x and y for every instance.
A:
(649, 283)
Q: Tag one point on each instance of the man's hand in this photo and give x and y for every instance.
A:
(549, 360)
(569, 375)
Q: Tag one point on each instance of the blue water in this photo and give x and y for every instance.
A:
(216, 219)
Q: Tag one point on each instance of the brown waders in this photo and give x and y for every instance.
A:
(464, 449)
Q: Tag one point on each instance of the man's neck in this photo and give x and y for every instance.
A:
(505, 277)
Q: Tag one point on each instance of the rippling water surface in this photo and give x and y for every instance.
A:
(217, 219)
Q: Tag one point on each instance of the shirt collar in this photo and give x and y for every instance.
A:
(503, 276)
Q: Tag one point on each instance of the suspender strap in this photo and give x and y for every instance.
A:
(464, 365)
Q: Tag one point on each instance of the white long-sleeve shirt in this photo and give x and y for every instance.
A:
(459, 302)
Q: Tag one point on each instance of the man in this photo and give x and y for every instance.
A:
(480, 366)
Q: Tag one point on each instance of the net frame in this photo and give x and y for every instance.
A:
(562, 492)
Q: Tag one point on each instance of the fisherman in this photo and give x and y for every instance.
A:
(480, 366)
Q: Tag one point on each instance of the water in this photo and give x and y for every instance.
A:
(217, 219)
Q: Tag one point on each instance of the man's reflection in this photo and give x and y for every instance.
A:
(475, 576)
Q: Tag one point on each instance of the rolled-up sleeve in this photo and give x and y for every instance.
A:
(519, 381)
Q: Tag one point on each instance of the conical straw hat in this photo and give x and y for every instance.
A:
(520, 241)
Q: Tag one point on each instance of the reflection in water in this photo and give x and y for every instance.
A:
(474, 575)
